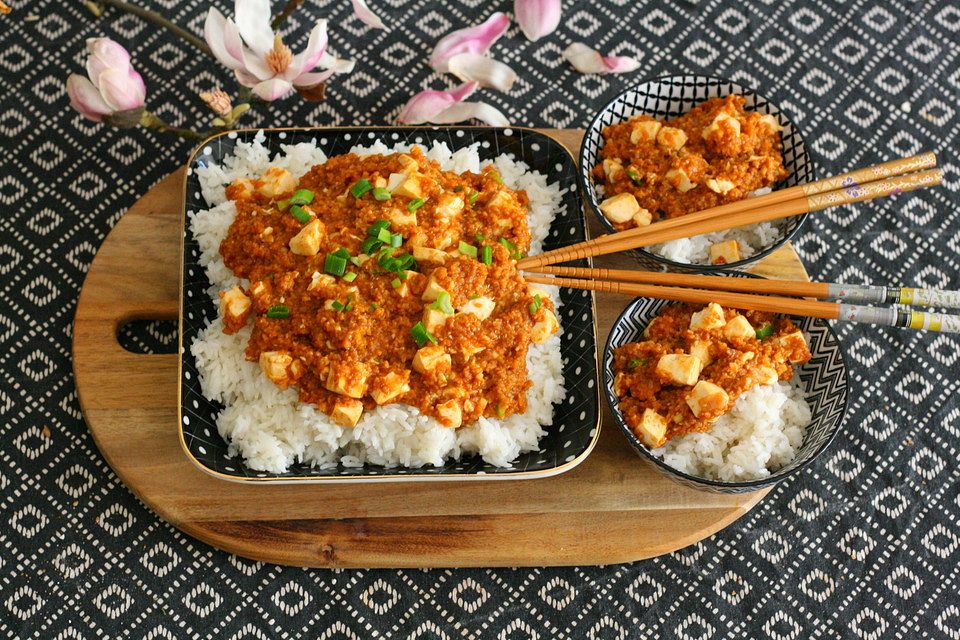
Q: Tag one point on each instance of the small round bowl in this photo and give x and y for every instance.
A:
(824, 380)
(672, 96)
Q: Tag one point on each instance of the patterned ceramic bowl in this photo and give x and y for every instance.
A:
(823, 378)
(669, 97)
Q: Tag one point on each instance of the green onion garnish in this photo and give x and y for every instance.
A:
(473, 197)
(370, 245)
(536, 304)
(458, 188)
(396, 240)
(413, 205)
(278, 311)
(373, 306)
(381, 194)
(350, 276)
(765, 331)
(636, 362)
(384, 236)
(343, 253)
(337, 305)
(635, 177)
(420, 335)
(467, 249)
(300, 214)
(486, 255)
(335, 265)
(360, 187)
(283, 204)
(509, 245)
(501, 411)
(355, 261)
(395, 283)
(480, 237)
(302, 196)
(443, 303)
(496, 176)
(375, 228)
(349, 305)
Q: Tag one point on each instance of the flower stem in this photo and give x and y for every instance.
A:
(157, 19)
(153, 121)
(288, 8)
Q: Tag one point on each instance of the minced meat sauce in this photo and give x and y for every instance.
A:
(383, 279)
(695, 362)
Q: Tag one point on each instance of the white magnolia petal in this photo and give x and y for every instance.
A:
(428, 104)
(253, 20)
(215, 33)
(246, 78)
(233, 42)
(366, 16)
(310, 57)
(471, 67)
(460, 111)
(476, 39)
(311, 79)
(587, 60)
(272, 89)
(121, 90)
(86, 98)
(256, 65)
(110, 53)
(339, 65)
(138, 90)
(537, 18)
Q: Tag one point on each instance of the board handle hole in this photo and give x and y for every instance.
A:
(148, 336)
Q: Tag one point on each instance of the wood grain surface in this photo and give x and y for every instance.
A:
(612, 508)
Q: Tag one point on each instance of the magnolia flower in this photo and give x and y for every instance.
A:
(477, 39)
(111, 86)
(366, 16)
(537, 18)
(587, 60)
(447, 107)
(258, 56)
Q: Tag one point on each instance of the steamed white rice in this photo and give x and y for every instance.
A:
(271, 430)
(761, 433)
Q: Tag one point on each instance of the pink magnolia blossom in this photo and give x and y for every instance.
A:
(476, 39)
(448, 107)
(487, 72)
(537, 18)
(259, 58)
(366, 16)
(111, 86)
(587, 60)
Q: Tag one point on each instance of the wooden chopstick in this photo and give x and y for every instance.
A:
(870, 294)
(907, 319)
(783, 204)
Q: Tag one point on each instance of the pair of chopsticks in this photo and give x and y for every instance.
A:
(876, 181)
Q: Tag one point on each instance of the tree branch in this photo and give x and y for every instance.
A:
(157, 19)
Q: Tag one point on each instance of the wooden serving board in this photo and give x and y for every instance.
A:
(611, 508)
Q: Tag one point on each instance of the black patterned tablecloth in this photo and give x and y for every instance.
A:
(863, 544)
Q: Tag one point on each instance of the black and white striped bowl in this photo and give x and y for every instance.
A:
(672, 96)
(824, 380)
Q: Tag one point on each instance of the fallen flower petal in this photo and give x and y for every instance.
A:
(537, 18)
(365, 15)
(426, 105)
(460, 111)
(587, 60)
(477, 39)
(487, 72)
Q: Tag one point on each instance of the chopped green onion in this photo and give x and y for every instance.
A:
(536, 304)
(355, 261)
(381, 194)
(636, 362)
(396, 283)
(396, 240)
(635, 177)
(496, 176)
(467, 249)
(443, 303)
(337, 305)
(373, 306)
(343, 253)
(420, 335)
(486, 255)
(473, 197)
(278, 311)
(370, 245)
(300, 214)
(335, 265)
(349, 305)
(375, 228)
(501, 411)
(302, 196)
(765, 331)
(283, 204)
(384, 236)
(480, 237)
(458, 188)
(350, 276)
(360, 187)
(413, 205)
(509, 245)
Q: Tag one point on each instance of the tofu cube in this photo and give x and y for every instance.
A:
(620, 208)
(240, 189)
(348, 379)
(707, 400)
(545, 328)
(767, 375)
(426, 254)
(407, 186)
(642, 217)
(408, 163)
(433, 319)
(501, 199)
(399, 217)
(449, 205)
(481, 307)
(432, 291)
(797, 345)
(346, 412)
(701, 350)
(725, 252)
(645, 131)
(652, 429)
(680, 180)
(307, 242)
(280, 367)
(431, 357)
(709, 318)
(410, 284)
(671, 138)
(719, 185)
(380, 182)
(390, 386)
(739, 328)
(723, 121)
(275, 182)
(771, 123)
(319, 281)
(469, 349)
(234, 305)
(450, 414)
(679, 368)
(612, 168)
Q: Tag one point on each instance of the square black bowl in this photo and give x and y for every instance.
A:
(575, 427)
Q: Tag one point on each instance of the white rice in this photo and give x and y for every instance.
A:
(762, 433)
(271, 430)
